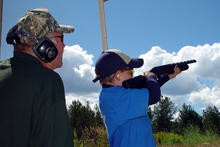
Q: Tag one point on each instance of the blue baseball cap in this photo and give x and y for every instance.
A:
(112, 60)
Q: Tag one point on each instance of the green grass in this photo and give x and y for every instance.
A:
(192, 137)
(167, 138)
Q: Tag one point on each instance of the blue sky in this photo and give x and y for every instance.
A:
(160, 31)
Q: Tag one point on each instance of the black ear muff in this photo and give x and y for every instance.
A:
(45, 49)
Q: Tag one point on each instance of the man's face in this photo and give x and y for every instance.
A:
(57, 39)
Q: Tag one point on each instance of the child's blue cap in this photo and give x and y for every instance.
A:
(112, 60)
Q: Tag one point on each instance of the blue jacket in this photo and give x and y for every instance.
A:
(125, 116)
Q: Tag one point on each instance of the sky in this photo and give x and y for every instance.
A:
(159, 31)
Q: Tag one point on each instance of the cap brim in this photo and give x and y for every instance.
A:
(65, 29)
(136, 63)
(96, 79)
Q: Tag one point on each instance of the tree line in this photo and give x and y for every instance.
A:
(161, 116)
(83, 117)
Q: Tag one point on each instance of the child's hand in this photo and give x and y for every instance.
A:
(176, 72)
(147, 74)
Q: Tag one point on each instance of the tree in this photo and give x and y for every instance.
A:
(81, 117)
(150, 113)
(189, 117)
(163, 114)
(211, 119)
(98, 116)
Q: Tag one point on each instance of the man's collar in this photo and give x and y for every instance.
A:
(25, 56)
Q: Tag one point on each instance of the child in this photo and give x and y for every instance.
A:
(125, 110)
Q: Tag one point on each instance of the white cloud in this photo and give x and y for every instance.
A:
(208, 59)
(157, 56)
(77, 74)
(84, 70)
(207, 96)
(187, 84)
(78, 71)
(91, 97)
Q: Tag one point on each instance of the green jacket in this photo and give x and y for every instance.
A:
(32, 105)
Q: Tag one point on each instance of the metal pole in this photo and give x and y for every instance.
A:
(1, 7)
(102, 23)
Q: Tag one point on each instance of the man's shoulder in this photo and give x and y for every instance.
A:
(5, 63)
(48, 73)
(37, 72)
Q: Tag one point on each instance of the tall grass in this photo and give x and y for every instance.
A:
(193, 136)
(92, 137)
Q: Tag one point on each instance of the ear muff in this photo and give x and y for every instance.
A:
(44, 48)
(117, 76)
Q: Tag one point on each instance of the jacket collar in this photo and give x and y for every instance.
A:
(25, 57)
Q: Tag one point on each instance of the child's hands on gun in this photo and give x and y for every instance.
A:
(176, 72)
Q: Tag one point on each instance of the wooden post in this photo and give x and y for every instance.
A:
(103, 26)
(1, 11)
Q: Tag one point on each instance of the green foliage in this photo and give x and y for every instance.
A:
(93, 137)
(98, 117)
(211, 119)
(193, 136)
(163, 114)
(150, 113)
(189, 117)
(89, 130)
(167, 138)
(82, 117)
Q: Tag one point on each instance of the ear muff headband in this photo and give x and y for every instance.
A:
(44, 48)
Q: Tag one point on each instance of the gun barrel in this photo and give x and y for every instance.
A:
(190, 61)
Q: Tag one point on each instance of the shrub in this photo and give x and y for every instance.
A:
(167, 138)
(93, 137)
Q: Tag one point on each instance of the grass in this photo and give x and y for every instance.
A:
(167, 138)
(192, 137)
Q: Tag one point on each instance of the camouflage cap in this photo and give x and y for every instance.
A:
(38, 23)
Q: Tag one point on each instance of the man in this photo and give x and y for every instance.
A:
(32, 101)
(125, 110)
